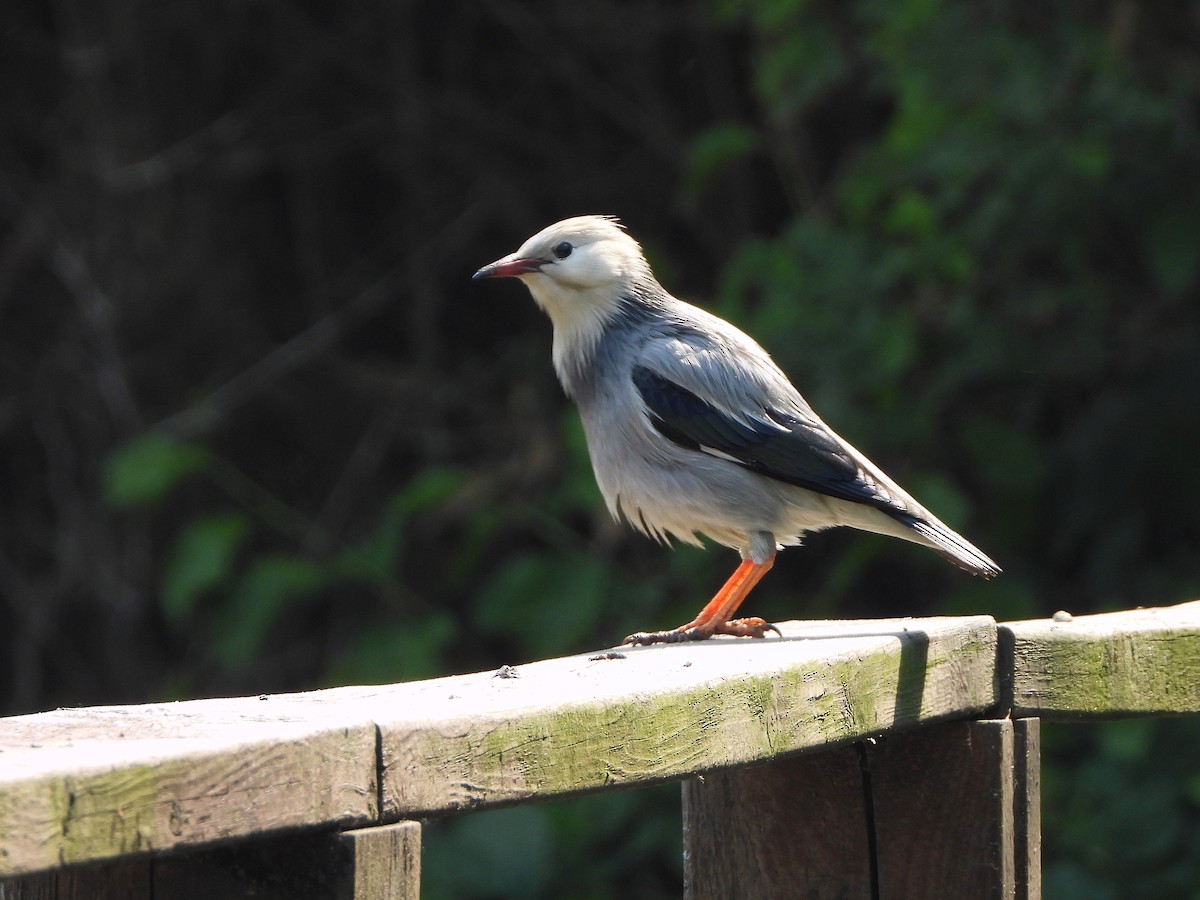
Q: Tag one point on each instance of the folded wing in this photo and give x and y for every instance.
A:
(778, 444)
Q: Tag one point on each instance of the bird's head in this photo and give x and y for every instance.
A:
(581, 271)
(575, 267)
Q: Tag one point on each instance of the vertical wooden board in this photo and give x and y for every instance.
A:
(382, 863)
(791, 828)
(1027, 807)
(942, 800)
(122, 880)
(302, 865)
(31, 887)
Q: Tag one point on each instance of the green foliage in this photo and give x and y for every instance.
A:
(1120, 817)
(713, 151)
(590, 848)
(145, 470)
(410, 651)
(549, 602)
(250, 596)
(255, 602)
(201, 560)
(511, 852)
(373, 559)
(970, 232)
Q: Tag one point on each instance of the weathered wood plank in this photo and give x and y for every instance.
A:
(659, 713)
(1140, 662)
(380, 863)
(86, 785)
(120, 880)
(795, 827)
(90, 784)
(383, 863)
(297, 865)
(1027, 807)
(943, 807)
(943, 812)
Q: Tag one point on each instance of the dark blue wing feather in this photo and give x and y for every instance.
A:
(779, 445)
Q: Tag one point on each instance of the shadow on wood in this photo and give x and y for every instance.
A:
(930, 813)
(382, 863)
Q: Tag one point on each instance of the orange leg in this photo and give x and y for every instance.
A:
(715, 617)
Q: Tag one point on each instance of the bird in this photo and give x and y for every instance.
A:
(693, 430)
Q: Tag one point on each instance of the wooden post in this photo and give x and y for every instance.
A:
(930, 813)
(122, 880)
(381, 863)
(1027, 806)
(943, 811)
(791, 828)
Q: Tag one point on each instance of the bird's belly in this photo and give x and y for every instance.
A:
(669, 491)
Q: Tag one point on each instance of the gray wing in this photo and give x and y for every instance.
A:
(712, 389)
(772, 437)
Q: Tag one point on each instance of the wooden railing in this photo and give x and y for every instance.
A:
(865, 759)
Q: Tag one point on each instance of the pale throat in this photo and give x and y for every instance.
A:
(579, 318)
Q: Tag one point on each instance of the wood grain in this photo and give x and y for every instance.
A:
(1139, 662)
(84, 785)
(1027, 807)
(383, 863)
(943, 812)
(960, 799)
(121, 880)
(791, 828)
(660, 713)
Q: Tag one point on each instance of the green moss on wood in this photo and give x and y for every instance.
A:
(1059, 673)
(655, 736)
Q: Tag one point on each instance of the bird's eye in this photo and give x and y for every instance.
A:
(562, 249)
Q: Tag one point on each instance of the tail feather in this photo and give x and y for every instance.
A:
(952, 546)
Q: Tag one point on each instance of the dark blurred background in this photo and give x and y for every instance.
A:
(260, 432)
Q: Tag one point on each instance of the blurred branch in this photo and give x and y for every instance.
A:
(39, 228)
(306, 346)
(354, 475)
(194, 149)
(647, 127)
(310, 343)
(98, 314)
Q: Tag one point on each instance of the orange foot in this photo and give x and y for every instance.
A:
(714, 618)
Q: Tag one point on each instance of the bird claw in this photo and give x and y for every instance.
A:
(751, 627)
(673, 636)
